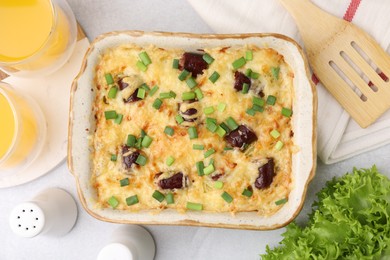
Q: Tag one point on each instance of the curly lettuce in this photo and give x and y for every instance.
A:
(350, 220)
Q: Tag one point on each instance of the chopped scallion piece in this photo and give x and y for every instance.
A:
(248, 192)
(209, 169)
(214, 77)
(221, 107)
(231, 123)
(211, 120)
(226, 196)
(258, 108)
(275, 72)
(158, 196)
(225, 127)
(200, 168)
(192, 132)
(211, 161)
(208, 110)
(146, 141)
(110, 114)
(194, 206)
(239, 63)
(254, 75)
(281, 201)
(153, 90)
(145, 86)
(258, 101)
(275, 133)
(212, 127)
(218, 185)
(109, 78)
(157, 103)
(141, 66)
(179, 119)
(207, 58)
(143, 133)
(198, 93)
(220, 131)
(173, 94)
(170, 160)
(188, 96)
(138, 143)
(245, 88)
(183, 75)
(249, 55)
(131, 139)
(191, 82)
(124, 182)
(271, 100)
(118, 119)
(175, 64)
(279, 145)
(165, 95)
(132, 200)
(141, 160)
(113, 202)
(141, 93)
(113, 157)
(145, 58)
(169, 198)
(227, 148)
(248, 72)
(112, 92)
(286, 112)
(169, 130)
(209, 152)
(198, 146)
(251, 111)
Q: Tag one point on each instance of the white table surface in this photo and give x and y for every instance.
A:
(173, 242)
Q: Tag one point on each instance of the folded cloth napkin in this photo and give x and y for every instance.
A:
(339, 136)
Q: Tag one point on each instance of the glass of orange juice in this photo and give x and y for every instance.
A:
(22, 130)
(37, 36)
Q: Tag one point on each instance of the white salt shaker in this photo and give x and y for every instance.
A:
(129, 242)
(52, 212)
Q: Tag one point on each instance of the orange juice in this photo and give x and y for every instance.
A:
(7, 122)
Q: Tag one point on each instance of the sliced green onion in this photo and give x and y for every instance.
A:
(279, 145)
(141, 160)
(208, 110)
(191, 82)
(198, 93)
(192, 132)
(169, 198)
(281, 201)
(143, 133)
(145, 58)
(221, 107)
(251, 111)
(124, 182)
(258, 108)
(218, 185)
(220, 131)
(207, 58)
(275, 72)
(131, 139)
(153, 90)
(170, 160)
(141, 66)
(145, 86)
(198, 146)
(183, 75)
(188, 96)
(239, 63)
(118, 119)
(249, 55)
(165, 95)
(211, 120)
(109, 78)
(110, 114)
(157, 103)
(141, 93)
(209, 169)
(211, 161)
(248, 192)
(169, 131)
(226, 196)
(146, 141)
(173, 94)
(132, 200)
(248, 72)
(138, 143)
(200, 168)
(179, 119)
(175, 64)
(112, 92)
(254, 75)
(286, 112)
(113, 157)
(271, 100)
(231, 123)
(227, 148)
(258, 101)
(214, 77)
(194, 206)
(158, 196)
(212, 127)
(225, 127)
(275, 133)
(209, 152)
(113, 202)
(245, 88)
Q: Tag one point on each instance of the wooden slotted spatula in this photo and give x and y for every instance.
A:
(350, 64)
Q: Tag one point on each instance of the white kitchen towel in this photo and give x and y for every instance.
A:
(339, 136)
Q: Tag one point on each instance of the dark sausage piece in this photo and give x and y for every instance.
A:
(193, 62)
(122, 85)
(190, 112)
(173, 182)
(133, 97)
(266, 175)
(129, 159)
(242, 135)
(240, 79)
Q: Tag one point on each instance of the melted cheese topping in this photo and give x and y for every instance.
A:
(239, 169)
